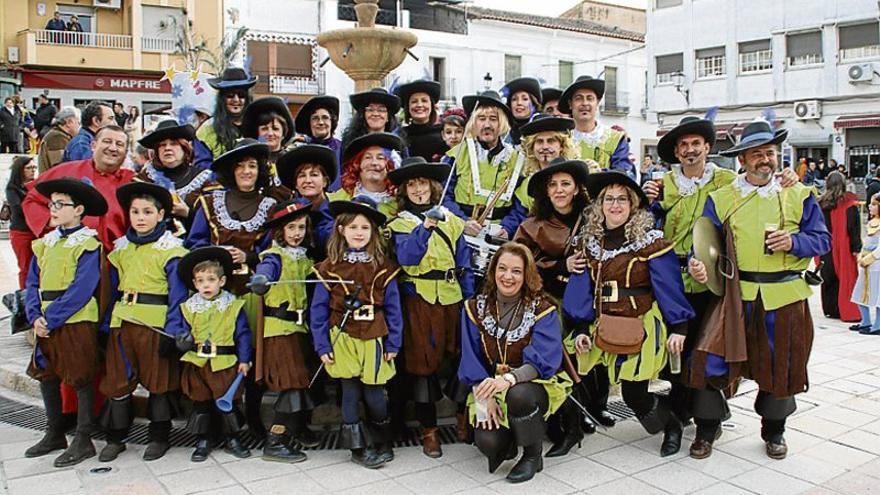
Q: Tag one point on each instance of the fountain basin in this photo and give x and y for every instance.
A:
(367, 54)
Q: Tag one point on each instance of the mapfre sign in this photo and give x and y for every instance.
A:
(102, 82)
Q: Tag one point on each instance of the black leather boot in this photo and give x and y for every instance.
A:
(82, 447)
(278, 446)
(570, 422)
(352, 437)
(202, 451)
(199, 424)
(671, 437)
(231, 428)
(382, 434)
(116, 419)
(529, 433)
(161, 410)
(54, 438)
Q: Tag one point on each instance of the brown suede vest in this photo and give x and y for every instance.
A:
(614, 271)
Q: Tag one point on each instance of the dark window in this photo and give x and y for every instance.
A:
(804, 48)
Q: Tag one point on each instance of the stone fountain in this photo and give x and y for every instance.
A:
(367, 53)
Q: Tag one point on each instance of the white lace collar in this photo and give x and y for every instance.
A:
(745, 187)
(378, 197)
(502, 156)
(490, 325)
(72, 240)
(604, 255)
(295, 252)
(198, 304)
(356, 257)
(477, 154)
(594, 138)
(254, 224)
(165, 242)
(688, 186)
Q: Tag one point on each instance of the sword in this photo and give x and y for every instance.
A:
(136, 321)
(435, 211)
(571, 371)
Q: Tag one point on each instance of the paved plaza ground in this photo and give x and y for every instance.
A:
(834, 447)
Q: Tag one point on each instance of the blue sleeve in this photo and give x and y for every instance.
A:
(544, 351)
(323, 224)
(202, 156)
(177, 295)
(411, 247)
(710, 213)
(813, 238)
(620, 159)
(510, 222)
(449, 199)
(463, 257)
(668, 288)
(77, 295)
(393, 318)
(242, 337)
(32, 307)
(115, 295)
(471, 368)
(577, 301)
(270, 266)
(200, 232)
(319, 320)
(77, 149)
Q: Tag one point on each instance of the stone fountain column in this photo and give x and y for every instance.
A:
(367, 53)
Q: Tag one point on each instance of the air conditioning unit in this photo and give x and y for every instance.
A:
(12, 54)
(108, 4)
(860, 73)
(807, 110)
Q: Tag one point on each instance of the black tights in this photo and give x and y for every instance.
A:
(374, 400)
(426, 413)
(637, 397)
(522, 399)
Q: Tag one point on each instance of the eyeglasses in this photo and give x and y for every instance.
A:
(375, 109)
(241, 95)
(320, 118)
(621, 200)
(57, 205)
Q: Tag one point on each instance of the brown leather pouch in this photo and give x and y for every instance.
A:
(620, 334)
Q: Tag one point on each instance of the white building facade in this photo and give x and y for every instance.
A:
(497, 44)
(813, 61)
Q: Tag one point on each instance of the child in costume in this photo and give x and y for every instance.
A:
(866, 293)
(216, 340)
(284, 355)
(356, 324)
(147, 294)
(61, 305)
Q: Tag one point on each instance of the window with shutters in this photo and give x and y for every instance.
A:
(711, 62)
(566, 73)
(667, 66)
(273, 62)
(512, 67)
(755, 56)
(859, 41)
(804, 48)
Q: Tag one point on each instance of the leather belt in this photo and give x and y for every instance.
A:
(683, 263)
(130, 297)
(445, 275)
(214, 350)
(770, 277)
(608, 290)
(283, 314)
(497, 213)
(50, 295)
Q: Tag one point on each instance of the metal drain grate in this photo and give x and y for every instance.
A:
(23, 415)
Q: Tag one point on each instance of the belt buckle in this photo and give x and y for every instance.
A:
(206, 349)
(449, 276)
(242, 269)
(365, 313)
(299, 317)
(130, 297)
(614, 296)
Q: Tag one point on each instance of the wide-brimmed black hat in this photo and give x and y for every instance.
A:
(596, 182)
(167, 129)
(757, 133)
(404, 91)
(243, 148)
(232, 78)
(416, 166)
(687, 125)
(576, 168)
(303, 116)
(486, 98)
(542, 122)
(81, 190)
(260, 106)
(550, 94)
(528, 84)
(317, 154)
(582, 82)
(126, 192)
(380, 139)
(287, 211)
(208, 253)
(361, 205)
(376, 95)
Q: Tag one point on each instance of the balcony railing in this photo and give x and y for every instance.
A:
(160, 45)
(297, 85)
(96, 40)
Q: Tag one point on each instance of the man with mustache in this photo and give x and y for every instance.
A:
(776, 231)
(484, 164)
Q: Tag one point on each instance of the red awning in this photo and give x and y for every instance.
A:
(721, 130)
(853, 121)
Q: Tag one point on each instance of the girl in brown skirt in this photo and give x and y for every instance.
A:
(284, 353)
(434, 257)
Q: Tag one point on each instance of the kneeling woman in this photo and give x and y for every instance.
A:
(630, 291)
(511, 352)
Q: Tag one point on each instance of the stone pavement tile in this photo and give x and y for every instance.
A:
(597, 442)
(817, 378)
(198, 479)
(438, 481)
(832, 370)
(743, 401)
(850, 386)
(854, 483)
(872, 427)
(626, 485)
(862, 440)
(478, 469)
(12, 434)
(676, 478)
(627, 431)
(175, 460)
(844, 416)
(870, 468)
(411, 460)
(862, 404)
(298, 483)
(458, 452)
(136, 481)
(253, 469)
(629, 459)
(840, 455)
(826, 395)
(385, 487)
(582, 473)
(865, 358)
(23, 467)
(817, 426)
(15, 450)
(806, 468)
(860, 366)
(719, 465)
(652, 445)
(539, 485)
(229, 490)
(749, 448)
(345, 475)
(723, 489)
(61, 482)
(323, 458)
(766, 481)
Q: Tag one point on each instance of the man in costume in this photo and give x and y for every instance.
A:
(598, 143)
(775, 231)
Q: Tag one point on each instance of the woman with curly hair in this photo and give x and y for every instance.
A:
(366, 162)
(511, 354)
(841, 211)
(627, 302)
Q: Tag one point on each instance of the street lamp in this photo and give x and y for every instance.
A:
(487, 82)
(680, 82)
